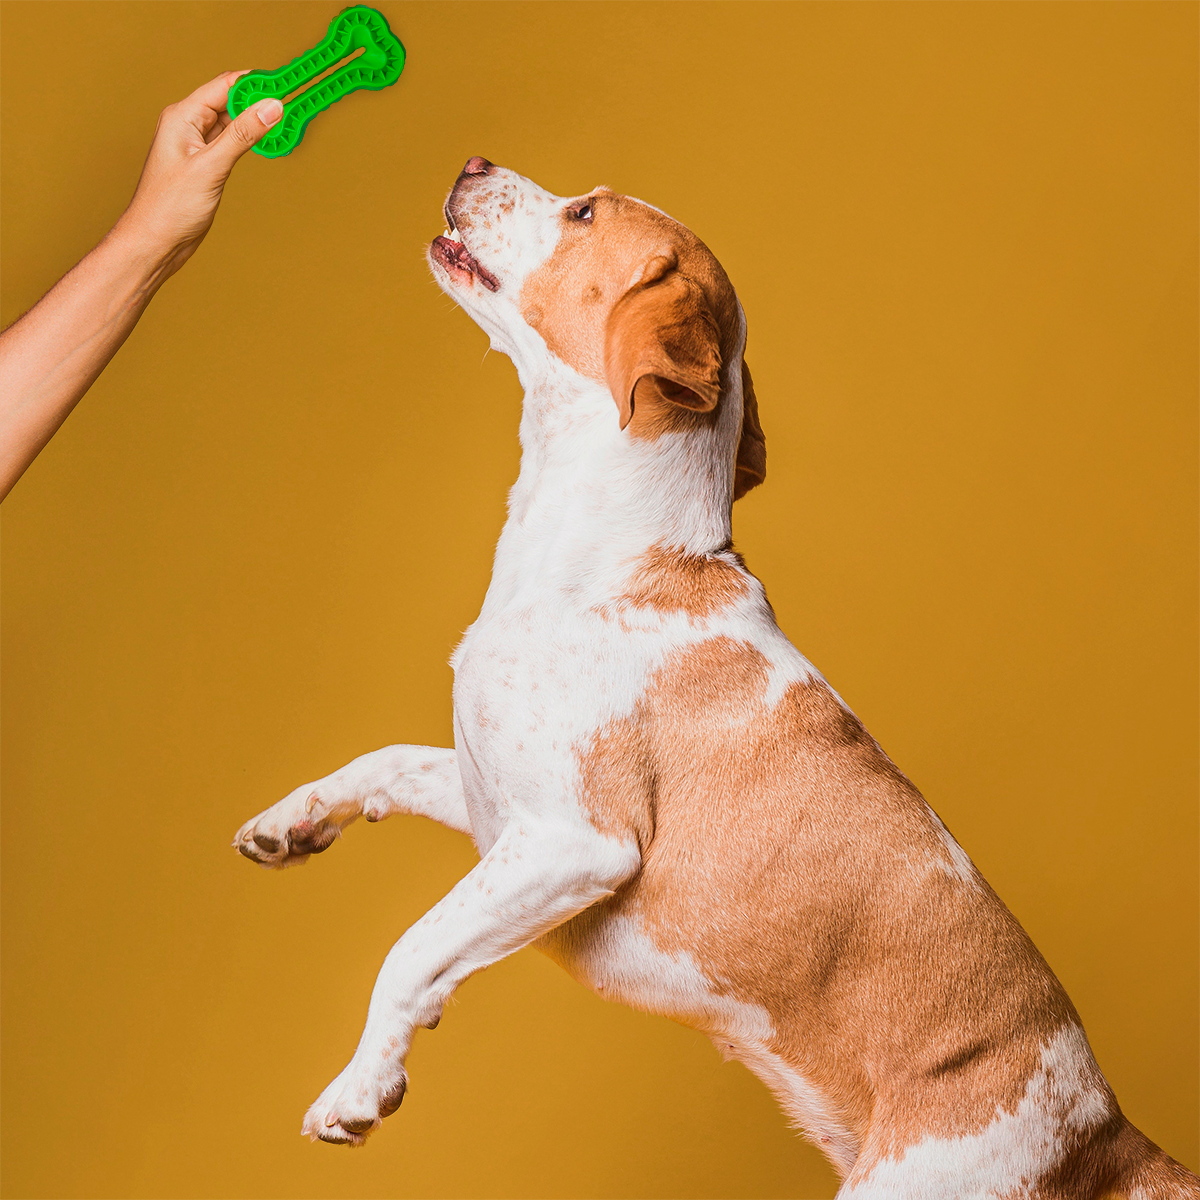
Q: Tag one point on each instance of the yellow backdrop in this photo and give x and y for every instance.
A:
(965, 239)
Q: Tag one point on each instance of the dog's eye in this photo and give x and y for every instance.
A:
(581, 210)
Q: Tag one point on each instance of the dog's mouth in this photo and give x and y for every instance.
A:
(458, 261)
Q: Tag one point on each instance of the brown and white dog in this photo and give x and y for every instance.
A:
(666, 796)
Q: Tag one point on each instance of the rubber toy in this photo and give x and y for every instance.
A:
(378, 60)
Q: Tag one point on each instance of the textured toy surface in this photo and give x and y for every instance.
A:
(359, 31)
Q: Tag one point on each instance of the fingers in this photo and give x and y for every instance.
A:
(215, 92)
(201, 111)
(224, 120)
(244, 132)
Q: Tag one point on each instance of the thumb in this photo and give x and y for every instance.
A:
(241, 134)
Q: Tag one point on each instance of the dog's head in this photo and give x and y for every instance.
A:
(614, 289)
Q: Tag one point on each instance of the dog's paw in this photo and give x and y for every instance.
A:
(301, 824)
(351, 1108)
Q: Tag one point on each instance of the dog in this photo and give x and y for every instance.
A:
(667, 798)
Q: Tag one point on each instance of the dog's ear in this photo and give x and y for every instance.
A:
(661, 349)
(751, 467)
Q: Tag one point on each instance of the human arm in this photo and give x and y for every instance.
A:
(54, 353)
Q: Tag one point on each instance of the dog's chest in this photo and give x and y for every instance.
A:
(532, 686)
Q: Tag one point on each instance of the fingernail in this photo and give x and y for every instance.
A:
(269, 111)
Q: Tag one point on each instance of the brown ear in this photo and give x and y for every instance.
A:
(661, 350)
(751, 467)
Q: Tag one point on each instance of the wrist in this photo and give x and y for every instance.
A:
(150, 260)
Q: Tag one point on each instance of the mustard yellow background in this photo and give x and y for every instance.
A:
(965, 238)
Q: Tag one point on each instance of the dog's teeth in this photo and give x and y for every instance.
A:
(445, 233)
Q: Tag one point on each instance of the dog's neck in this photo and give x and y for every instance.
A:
(591, 500)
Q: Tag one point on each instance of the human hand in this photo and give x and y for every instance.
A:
(195, 147)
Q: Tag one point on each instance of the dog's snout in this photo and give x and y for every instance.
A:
(476, 167)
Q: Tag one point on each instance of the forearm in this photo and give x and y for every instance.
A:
(52, 355)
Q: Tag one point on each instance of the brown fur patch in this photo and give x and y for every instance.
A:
(788, 856)
(1116, 1162)
(697, 584)
(620, 277)
(569, 298)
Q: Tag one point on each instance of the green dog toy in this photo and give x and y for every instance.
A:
(375, 58)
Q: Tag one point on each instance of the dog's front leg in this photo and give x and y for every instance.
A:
(537, 875)
(423, 780)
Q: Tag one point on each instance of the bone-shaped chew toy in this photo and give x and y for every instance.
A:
(378, 65)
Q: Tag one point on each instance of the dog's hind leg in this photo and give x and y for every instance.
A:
(422, 780)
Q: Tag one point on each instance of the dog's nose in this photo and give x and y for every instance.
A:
(477, 166)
